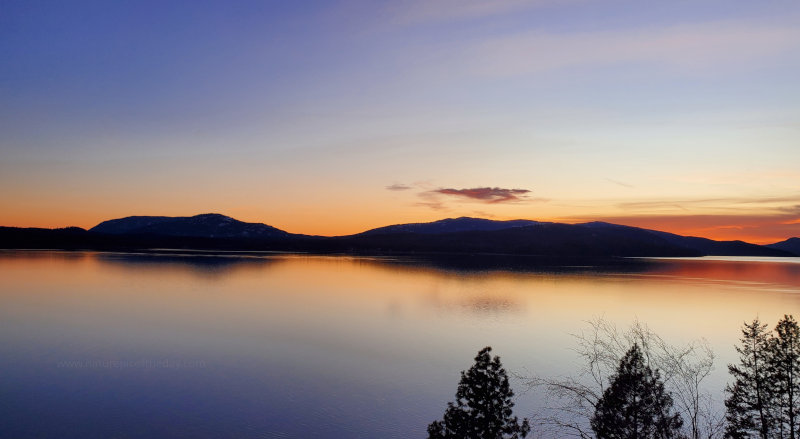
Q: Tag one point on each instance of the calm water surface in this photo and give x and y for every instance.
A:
(103, 345)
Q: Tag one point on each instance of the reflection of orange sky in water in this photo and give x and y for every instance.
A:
(372, 321)
(342, 301)
(334, 279)
(354, 275)
(777, 275)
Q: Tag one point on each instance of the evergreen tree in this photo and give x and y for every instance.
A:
(784, 353)
(635, 405)
(483, 405)
(749, 404)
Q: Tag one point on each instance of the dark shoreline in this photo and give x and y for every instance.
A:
(546, 246)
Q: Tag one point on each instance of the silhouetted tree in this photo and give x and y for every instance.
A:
(635, 405)
(683, 368)
(784, 355)
(483, 405)
(749, 403)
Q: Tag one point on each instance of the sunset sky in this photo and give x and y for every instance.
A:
(338, 116)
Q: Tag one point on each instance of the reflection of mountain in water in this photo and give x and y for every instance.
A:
(204, 264)
(216, 264)
(219, 263)
(524, 264)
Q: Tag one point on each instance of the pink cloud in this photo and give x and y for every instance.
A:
(487, 194)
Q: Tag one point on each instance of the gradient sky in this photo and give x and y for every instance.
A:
(334, 117)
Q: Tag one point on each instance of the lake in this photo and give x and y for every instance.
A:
(199, 345)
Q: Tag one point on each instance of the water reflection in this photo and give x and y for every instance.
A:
(207, 265)
(531, 264)
(781, 273)
(307, 346)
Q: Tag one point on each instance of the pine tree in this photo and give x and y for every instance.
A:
(483, 405)
(749, 403)
(784, 353)
(635, 405)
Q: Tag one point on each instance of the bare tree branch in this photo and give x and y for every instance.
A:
(571, 401)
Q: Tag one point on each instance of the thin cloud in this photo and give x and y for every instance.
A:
(688, 48)
(435, 205)
(430, 200)
(483, 214)
(620, 183)
(791, 210)
(427, 11)
(776, 204)
(398, 187)
(491, 195)
(440, 198)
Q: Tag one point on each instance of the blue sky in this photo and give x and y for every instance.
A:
(649, 113)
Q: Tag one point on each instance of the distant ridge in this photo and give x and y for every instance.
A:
(450, 225)
(791, 245)
(207, 225)
(538, 239)
(464, 236)
(704, 246)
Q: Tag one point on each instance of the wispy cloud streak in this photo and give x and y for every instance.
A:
(437, 11)
(686, 48)
(487, 194)
(789, 204)
(620, 183)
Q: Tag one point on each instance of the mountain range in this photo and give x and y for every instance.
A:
(448, 236)
(791, 245)
(210, 225)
